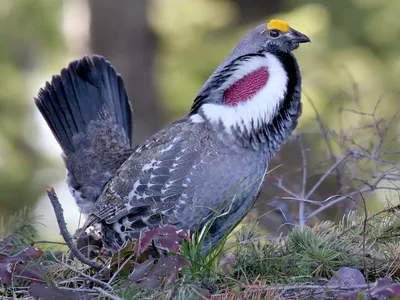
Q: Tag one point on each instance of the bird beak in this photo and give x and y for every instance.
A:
(299, 37)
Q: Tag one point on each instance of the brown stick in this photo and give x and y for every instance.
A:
(58, 211)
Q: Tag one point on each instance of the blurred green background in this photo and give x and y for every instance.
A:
(165, 50)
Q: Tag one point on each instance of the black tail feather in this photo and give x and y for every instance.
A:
(79, 94)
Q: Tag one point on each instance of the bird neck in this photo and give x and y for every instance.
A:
(255, 100)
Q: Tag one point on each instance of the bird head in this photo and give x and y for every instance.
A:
(257, 87)
(273, 37)
(280, 35)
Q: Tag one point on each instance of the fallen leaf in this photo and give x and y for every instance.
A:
(146, 239)
(6, 270)
(10, 264)
(32, 272)
(170, 239)
(385, 287)
(168, 265)
(141, 270)
(25, 255)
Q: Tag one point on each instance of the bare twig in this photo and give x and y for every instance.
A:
(370, 188)
(121, 268)
(365, 222)
(280, 184)
(359, 152)
(48, 242)
(82, 290)
(95, 290)
(321, 288)
(58, 211)
(88, 277)
(323, 177)
(302, 219)
(107, 294)
(316, 287)
(325, 134)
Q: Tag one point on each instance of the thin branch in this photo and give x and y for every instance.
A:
(48, 242)
(121, 268)
(280, 185)
(365, 222)
(304, 159)
(323, 177)
(272, 210)
(58, 211)
(107, 294)
(302, 219)
(88, 277)
(333, 202)
(370, 188)
(322, 288)
(322, 128)
(82, 290)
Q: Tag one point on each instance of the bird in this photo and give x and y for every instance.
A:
(204, 168)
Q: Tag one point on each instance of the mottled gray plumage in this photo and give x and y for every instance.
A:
(181, 180)
(88, 111)
(191, 171)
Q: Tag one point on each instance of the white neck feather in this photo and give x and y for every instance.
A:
(256, 111)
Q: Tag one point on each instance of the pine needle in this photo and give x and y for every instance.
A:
(18, 229)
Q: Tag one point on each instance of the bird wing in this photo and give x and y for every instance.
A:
(152, 179)
(183, 178)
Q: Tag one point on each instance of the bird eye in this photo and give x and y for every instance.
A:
(274, 33)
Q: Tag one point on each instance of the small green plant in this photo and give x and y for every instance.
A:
(204, 260)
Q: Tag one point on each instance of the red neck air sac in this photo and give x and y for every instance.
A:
(246, 87)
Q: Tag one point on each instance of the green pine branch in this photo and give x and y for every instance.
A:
(18, 229)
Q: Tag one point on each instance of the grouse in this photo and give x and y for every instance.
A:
(208, 165)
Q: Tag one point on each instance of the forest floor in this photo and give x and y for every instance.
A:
(355, 259)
